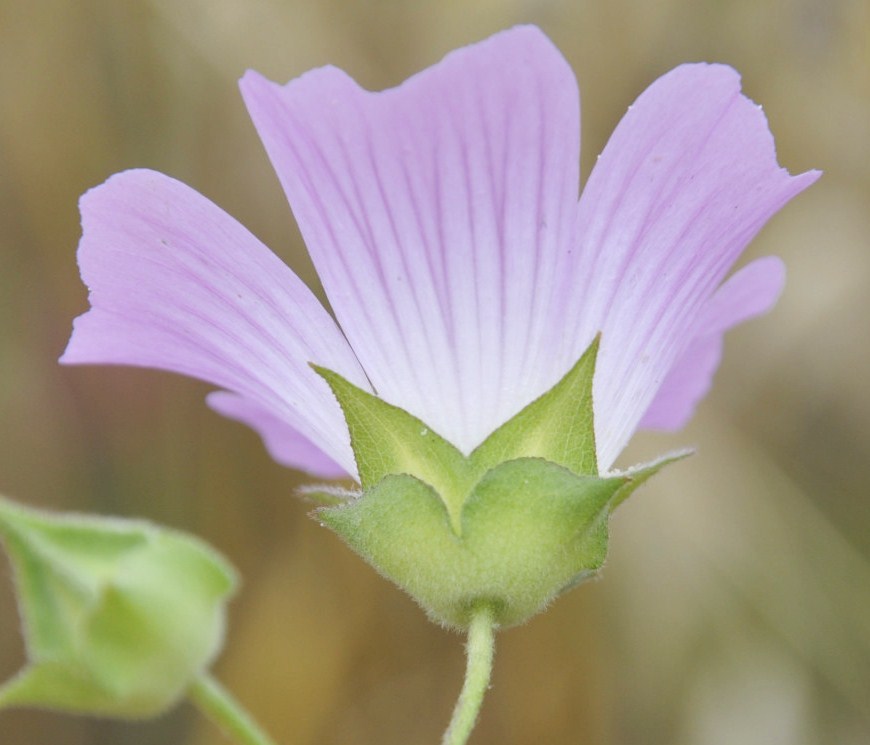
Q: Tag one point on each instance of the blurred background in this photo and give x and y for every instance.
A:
(735, 606)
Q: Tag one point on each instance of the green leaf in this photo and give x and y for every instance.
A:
(558, 426)
(387, 440)
(119, 616)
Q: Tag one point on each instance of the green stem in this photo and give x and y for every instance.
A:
(479, 651)
(218, 704)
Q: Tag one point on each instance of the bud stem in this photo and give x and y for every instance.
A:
(479, 651)
(218, 704)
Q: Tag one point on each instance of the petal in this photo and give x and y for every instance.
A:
(751, 292)
(435, 214)
(685, 182)
(177, 284)
(684, 387)
(285, 444)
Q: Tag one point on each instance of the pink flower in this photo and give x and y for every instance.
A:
(465, 277)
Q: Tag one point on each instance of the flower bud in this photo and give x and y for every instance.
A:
(119, 616)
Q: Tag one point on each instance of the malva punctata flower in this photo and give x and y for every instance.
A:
(465, 277)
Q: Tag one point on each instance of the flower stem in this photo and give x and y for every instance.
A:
(218, 704)
(479, 651)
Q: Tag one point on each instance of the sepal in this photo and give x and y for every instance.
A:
(557, 426)
(386, 440)
(529, 530)
(511, 525)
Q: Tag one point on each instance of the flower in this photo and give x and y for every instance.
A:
(465, 277)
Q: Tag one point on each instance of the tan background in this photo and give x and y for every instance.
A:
(735, 607)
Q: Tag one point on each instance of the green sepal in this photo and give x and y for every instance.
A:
(512, 525)
(326, 495)
(119, 616)
(530, 529)
(557, 426)
(386, 440)
(638, 475)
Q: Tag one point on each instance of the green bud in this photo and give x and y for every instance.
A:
(119, 616)
(514, 524)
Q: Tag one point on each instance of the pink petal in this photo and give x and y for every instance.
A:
(436, 213)
(687, 179)
(751, 292)
(286, 445)
(684, 387)
(177, 284)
